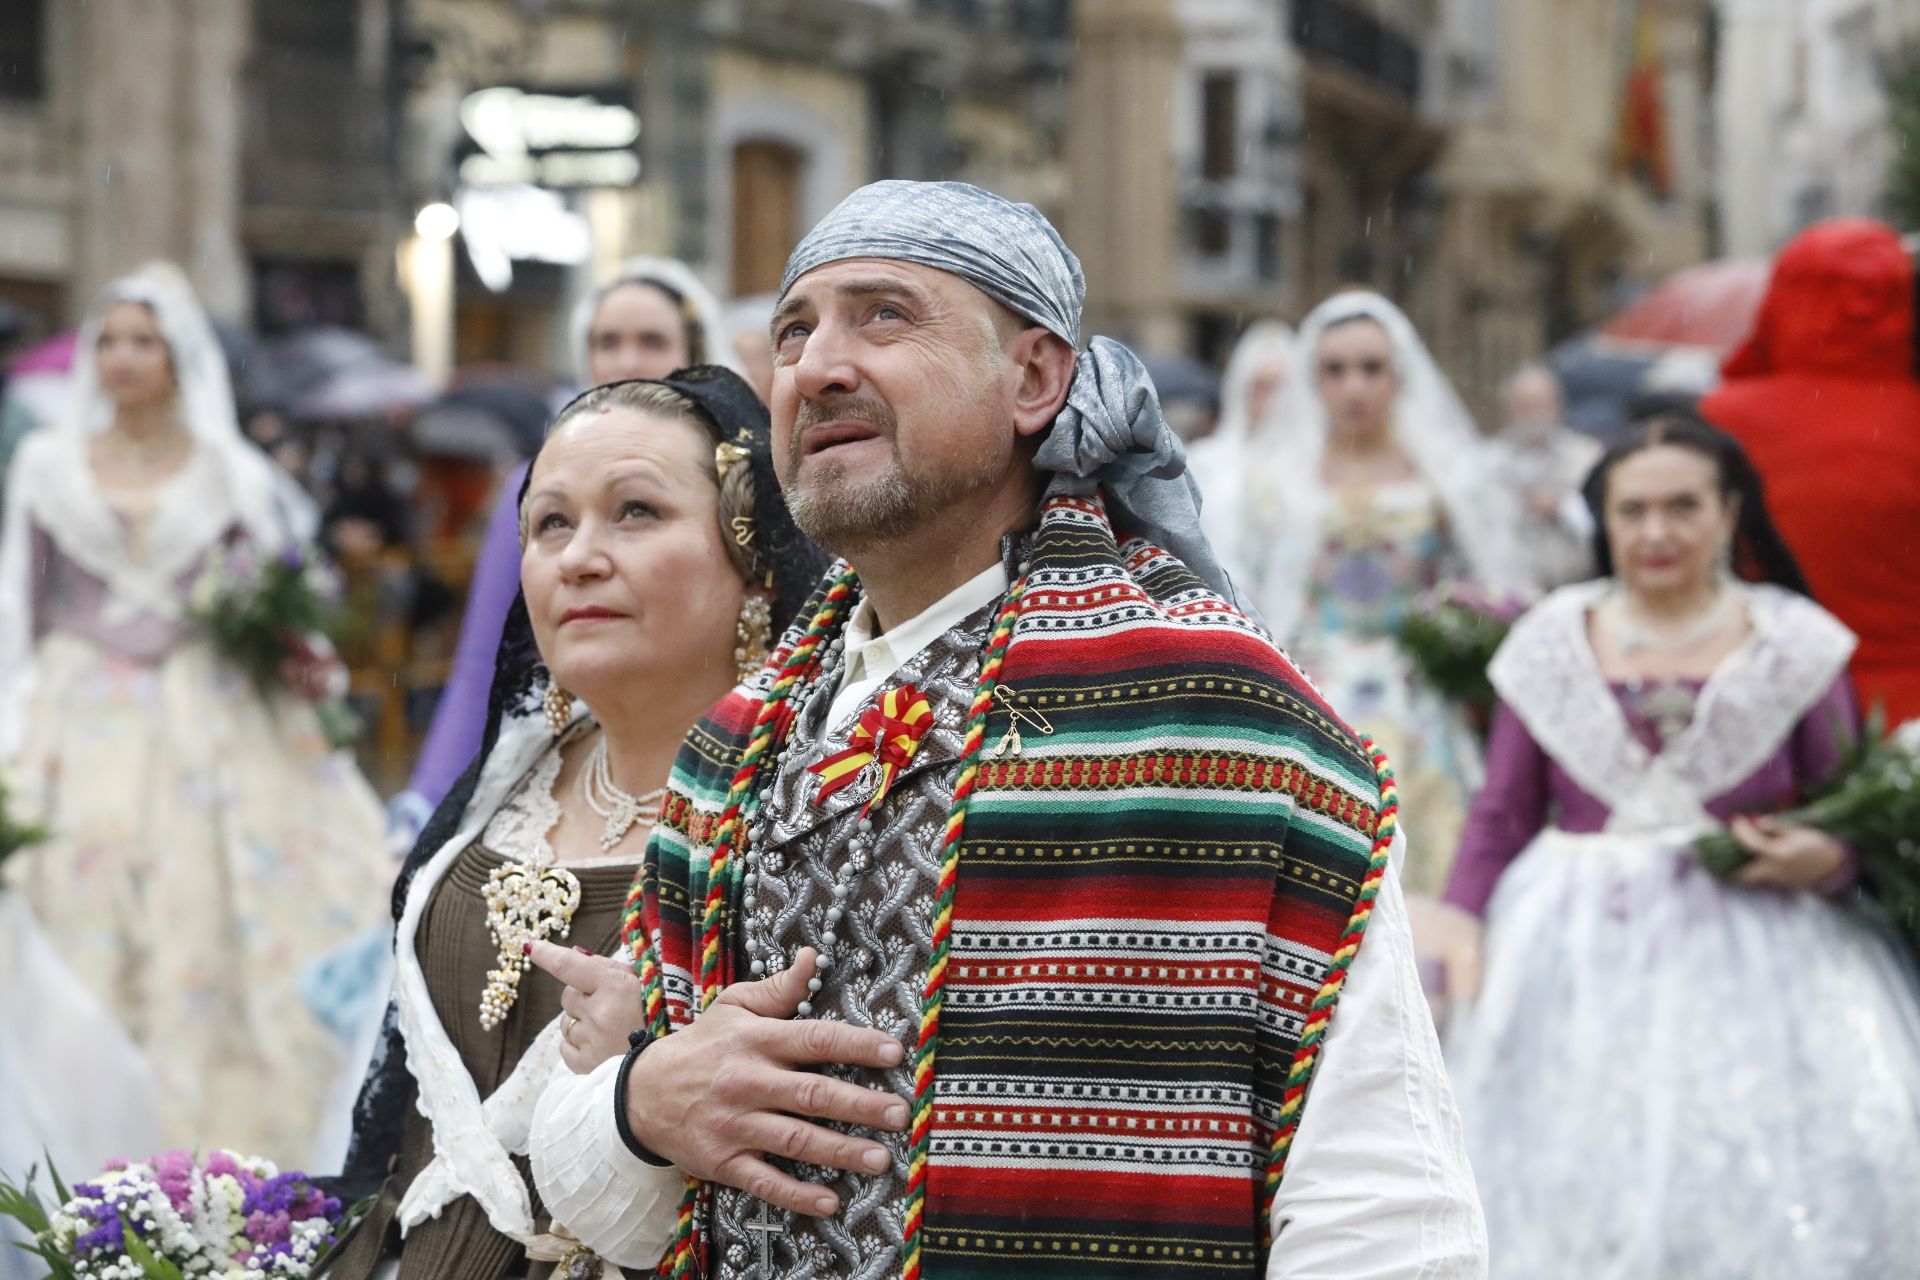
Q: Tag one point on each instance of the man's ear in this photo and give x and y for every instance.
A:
(1044, 364)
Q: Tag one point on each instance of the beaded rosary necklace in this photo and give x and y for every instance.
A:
(764, 958)
(799, 676)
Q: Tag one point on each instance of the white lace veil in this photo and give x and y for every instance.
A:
(674, 275)
(1220, 462)
(1286, 500)
(228, 483)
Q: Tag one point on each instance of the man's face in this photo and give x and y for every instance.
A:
(893, 401)
(1533, 406)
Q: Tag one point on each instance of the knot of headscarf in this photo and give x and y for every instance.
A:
(1110, 435)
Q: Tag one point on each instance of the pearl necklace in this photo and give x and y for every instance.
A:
(1636, 638)
(621, 810)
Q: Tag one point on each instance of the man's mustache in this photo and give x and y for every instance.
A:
(842, 409)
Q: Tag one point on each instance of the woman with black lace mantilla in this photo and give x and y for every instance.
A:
(658, 565)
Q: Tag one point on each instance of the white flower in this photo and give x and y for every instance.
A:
(322, 579)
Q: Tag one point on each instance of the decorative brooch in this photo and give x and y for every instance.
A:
(885, 740)
(526, 902)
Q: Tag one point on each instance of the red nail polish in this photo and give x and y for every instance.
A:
(585, 951)
(526, 948)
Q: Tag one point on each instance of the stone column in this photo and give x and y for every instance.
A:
(1122, 203)
(157, 152)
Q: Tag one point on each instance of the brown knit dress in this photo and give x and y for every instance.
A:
(456, 952)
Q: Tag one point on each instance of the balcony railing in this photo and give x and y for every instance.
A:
(1340, 31)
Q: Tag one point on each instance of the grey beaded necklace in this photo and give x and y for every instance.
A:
(763, 956)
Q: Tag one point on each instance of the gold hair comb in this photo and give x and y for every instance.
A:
(726, 456)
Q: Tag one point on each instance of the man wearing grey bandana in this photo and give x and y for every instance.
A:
(1006, 924)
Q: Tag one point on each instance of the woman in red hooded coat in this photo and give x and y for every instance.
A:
(1826, 398)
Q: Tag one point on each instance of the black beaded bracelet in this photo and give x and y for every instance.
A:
(637, 1042)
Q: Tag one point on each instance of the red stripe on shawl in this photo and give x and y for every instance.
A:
(1138, 902)
(735, 713)
(1111, 1196)
(1152, 650)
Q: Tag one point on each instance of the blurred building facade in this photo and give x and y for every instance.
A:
(753, 118)
(1508, 169)
(1802, 128)
(1576, 165)
(248, 140)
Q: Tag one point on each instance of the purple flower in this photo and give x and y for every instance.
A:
(278, 1194)
(173, 1172)
(109, 1235)
(222, 1162)
(269, 1228)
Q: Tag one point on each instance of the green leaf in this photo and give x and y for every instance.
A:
(53, 1172)
(58, 1268)
(150, 1263)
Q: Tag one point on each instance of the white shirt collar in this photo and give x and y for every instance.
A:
(872, 659)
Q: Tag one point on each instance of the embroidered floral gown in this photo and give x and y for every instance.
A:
(1380, 549)
(207, 846)
(1665, 1077)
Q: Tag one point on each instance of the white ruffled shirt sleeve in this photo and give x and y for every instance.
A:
(616, 1204)
(1377, 1185)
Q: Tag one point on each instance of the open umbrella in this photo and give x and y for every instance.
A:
(1672, 339)
(1711, 305)
(488, 416)
(331, 373)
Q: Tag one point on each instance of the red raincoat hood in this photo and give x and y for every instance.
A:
(1840, 304)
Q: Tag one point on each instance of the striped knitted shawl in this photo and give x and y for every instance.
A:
(1153, 909)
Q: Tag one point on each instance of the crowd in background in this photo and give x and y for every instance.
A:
(1719, 579)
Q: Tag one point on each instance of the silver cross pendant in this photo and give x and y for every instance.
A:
(764, 1228)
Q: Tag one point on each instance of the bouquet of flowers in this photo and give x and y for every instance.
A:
(1452, 636)
(14, 835)
(170, 1218)
(1872, 802)
(275, 621)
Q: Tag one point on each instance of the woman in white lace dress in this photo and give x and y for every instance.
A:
(1663, 1075)
(207, 843)
(658, 562)
(1367, 488)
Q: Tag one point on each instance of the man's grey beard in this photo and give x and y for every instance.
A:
(846, 521)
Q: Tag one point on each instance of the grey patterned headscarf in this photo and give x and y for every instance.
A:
(1110, 434)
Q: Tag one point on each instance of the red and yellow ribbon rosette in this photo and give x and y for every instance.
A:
(888, 735)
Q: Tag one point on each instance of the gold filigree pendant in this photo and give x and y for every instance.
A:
(525, 904)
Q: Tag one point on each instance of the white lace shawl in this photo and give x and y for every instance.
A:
(1547, 674)
(474, 1140)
